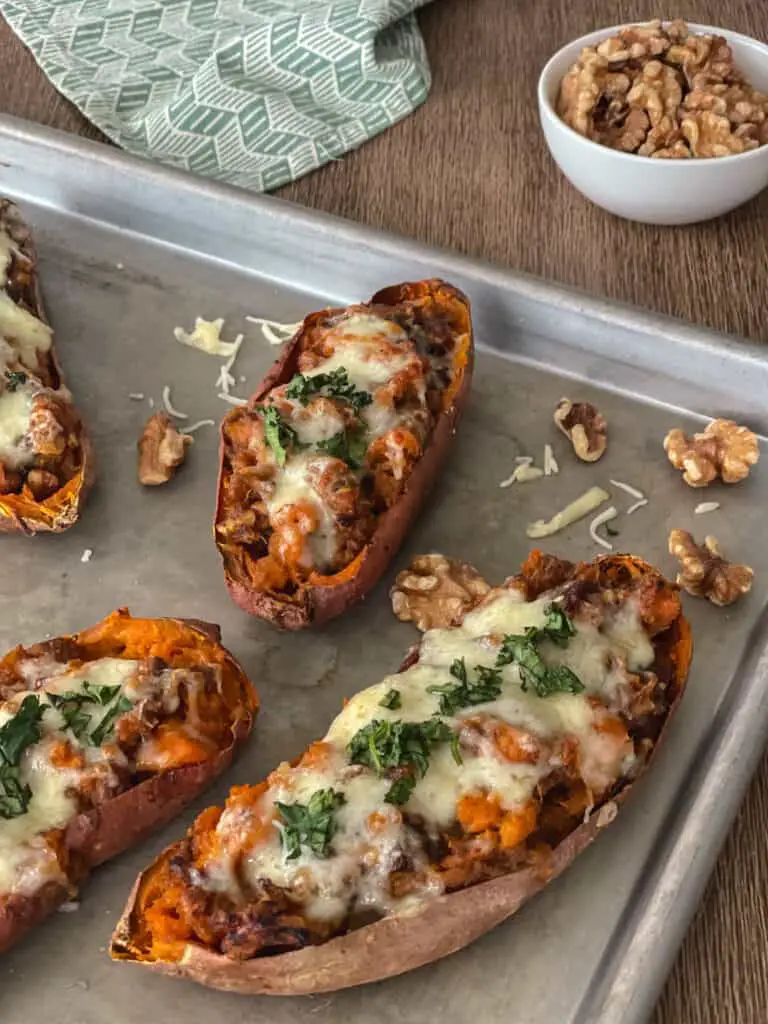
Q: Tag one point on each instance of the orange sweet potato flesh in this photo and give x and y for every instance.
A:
(116, 824)
(447, 923)
(20, 512)
(322, 598)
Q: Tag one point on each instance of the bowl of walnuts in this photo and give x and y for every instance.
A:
(662, 122)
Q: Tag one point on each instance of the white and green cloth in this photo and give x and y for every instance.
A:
(253, 92)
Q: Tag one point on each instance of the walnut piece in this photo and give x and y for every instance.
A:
(585, 426)
(161, 450)
(435, 592)
(705, 573)
(661, 91)
(724, 450)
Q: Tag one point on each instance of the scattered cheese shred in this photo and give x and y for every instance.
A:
(600, 519)
(524, 474)
(551, 467)
(706, 506)
(151, 402)
(577, 509)
(232, 399)
(136, 396)
(196, 426)
(87, 555)
(169, 408)
(629, 490)
(522, 462)
(206, 336)
(69, 907)
(275, 332)
(225, 380)
(638, 504)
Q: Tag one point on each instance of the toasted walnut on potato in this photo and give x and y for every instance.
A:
(724, 450)
(585, 426)
(704, 572)
(434, 592)
(161, 450)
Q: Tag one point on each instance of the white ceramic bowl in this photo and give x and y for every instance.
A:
(654, 191)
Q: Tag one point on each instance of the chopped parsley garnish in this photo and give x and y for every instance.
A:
(16, 735)
(348, 445)
(463, 693)
(523, 651)
(279, 435)
(76, 710)
(312, 825)
(386, 745)
(15, 378)
(391, 700)
(335, 384)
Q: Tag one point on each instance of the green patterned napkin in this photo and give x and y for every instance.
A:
(254, 92)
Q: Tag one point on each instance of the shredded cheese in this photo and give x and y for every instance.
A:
(551, 467)
(577, 509)
(629, 490)
(273, 329)
(232, 399)
(206, 336)
(151, 402)
(196, 426)
(602, 517)
(523, 472)
(87, 555)
(169, 408)
(638, 504)
(706, 506)
(136, 396)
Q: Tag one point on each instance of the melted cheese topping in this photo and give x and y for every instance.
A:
(26, 861)
(27, 334)
(365, 849)
(7, 248)
(15, 415)
(362, 345)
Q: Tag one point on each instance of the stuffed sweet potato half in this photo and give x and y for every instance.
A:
(105, 735)
(324, 471)
(46, 460)
(440, 799)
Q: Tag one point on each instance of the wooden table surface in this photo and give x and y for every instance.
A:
(469, 171)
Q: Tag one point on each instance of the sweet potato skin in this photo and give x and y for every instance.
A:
(20, 514)
(94, 837)
(321, 603)
(440, 927)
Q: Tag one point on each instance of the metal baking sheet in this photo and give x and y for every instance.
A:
(130, 250)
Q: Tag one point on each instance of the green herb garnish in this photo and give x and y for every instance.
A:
(312, 825)
(279, 435)
(391, 700)
(15, 378)
(335, 384)
(523, 651)
(348, 445)
(76, 710)
(385, 745)
(16, 735)
(486, 686)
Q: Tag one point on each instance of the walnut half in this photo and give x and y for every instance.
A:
(705, 573)
(161, 450)
(585, 426)
(723, 450)
(435, 592)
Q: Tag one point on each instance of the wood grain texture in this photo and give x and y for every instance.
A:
(469, 171)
